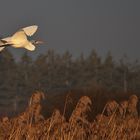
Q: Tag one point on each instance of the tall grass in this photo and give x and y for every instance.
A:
(117, 121)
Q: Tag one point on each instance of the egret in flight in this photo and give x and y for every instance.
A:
(20, 39)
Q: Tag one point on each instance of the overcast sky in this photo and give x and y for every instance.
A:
(76, 25)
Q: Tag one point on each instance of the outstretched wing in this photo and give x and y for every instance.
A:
(29, 31)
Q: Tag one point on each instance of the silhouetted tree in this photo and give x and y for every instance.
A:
(108, 67)
(52, 71)
(24, 74)
(8, 77)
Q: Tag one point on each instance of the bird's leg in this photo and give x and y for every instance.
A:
(5, 45)
(3, 41)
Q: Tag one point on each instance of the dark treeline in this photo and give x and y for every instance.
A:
(54, 72)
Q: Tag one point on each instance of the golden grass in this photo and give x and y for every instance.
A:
(118, 121)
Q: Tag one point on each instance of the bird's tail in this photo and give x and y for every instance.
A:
(1, 48)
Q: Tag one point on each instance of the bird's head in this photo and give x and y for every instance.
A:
(36, 42)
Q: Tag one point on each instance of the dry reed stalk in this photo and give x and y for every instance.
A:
(68, 100)
(12, 133)
(112, 132)
(123, 109)
(99, 117)
(80, 112)
(111, 107)
(112, 116)
(132, 106)
(137, 126)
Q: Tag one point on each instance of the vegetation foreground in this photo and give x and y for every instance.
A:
(118, 121)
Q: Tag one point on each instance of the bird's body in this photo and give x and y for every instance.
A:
(20, 40)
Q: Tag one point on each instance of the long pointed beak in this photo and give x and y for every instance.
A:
(40, 42)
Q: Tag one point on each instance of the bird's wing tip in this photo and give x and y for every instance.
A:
(30, 30)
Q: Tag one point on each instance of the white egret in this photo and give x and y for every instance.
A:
(20, 39)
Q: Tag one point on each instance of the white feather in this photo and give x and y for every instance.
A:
(19, 39)
(29, 31)
(1, 48)
(30, 47)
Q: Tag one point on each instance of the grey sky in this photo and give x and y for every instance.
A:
(77, 25)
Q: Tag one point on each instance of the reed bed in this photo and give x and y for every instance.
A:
(117, 121)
